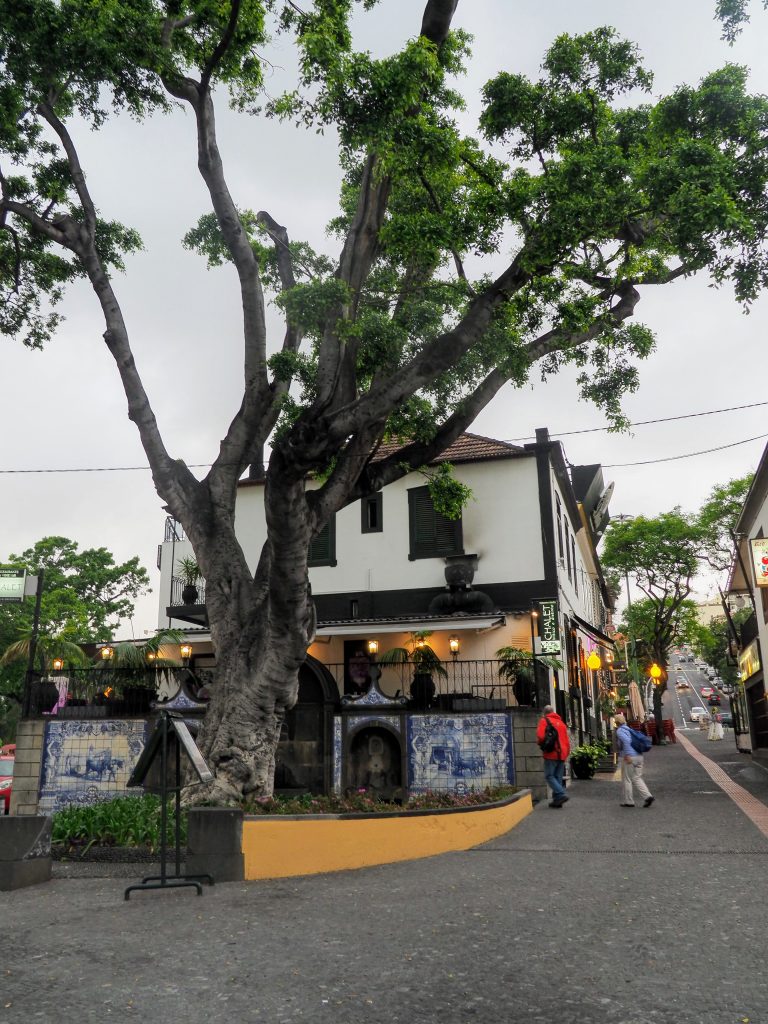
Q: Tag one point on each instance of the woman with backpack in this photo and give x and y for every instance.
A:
(631, 765)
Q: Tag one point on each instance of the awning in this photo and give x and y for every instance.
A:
(448, 624)
(596, 633)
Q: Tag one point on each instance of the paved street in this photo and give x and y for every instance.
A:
(590, 913)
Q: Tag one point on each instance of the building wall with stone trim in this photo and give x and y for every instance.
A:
(26, 770)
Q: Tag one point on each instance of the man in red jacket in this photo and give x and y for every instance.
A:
(555, 758)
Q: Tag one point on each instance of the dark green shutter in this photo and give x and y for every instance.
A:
(322, 550)
(431, 533)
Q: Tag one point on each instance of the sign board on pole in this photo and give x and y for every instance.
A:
(759, 546)
(548, 630)
(11, 584)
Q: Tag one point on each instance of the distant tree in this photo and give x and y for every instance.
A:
(641, 623)
(595, 199)
(718, 517)
(734, 14)
(85, 596)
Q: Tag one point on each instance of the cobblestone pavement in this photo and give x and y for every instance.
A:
(592, 913)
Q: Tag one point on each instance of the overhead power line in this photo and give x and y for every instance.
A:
(567, 433)
(690, 455)
(640, 423)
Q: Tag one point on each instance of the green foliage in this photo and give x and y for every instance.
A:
(124, 821)
(85, 595)
(188, 570)
(718, 517)
(366, 802)
(588, 755)
(449, 495)
(733, 14)
(417, 652)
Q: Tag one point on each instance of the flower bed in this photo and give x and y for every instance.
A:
(280, 846)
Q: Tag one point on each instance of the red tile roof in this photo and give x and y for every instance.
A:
(466, 448)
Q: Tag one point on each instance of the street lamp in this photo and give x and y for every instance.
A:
(593, 664)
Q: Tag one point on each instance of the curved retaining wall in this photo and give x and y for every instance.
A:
(280, 846)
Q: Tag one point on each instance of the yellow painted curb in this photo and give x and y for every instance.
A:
(279, 847)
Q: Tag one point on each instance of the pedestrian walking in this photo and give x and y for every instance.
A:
(631, 767)
(552, 737)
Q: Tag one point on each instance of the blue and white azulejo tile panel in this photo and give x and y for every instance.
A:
(88, 761)
(459, 753)
(337, 755)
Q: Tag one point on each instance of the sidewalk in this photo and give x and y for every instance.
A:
(592, 913)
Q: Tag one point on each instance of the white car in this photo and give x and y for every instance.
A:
(698, 714)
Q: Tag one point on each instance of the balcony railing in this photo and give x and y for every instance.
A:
(104, 692)
(173, 530)
(467, 685)
(178, 585)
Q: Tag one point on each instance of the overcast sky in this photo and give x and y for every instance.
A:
(64, 408)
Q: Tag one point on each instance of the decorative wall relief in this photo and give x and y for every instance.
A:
(88, 761)
(459, 753)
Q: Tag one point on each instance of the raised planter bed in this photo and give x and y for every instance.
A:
(225, 843)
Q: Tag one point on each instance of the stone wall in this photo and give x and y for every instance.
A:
(529, 764)
(26, 770)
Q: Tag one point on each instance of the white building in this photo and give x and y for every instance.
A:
(379, 575)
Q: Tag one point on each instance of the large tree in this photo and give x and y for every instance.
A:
(596, 200)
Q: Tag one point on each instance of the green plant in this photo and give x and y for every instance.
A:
(188, 571)
(586, 756)
(124, 821)
(418, 653)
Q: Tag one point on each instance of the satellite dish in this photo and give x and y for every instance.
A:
(601, 507)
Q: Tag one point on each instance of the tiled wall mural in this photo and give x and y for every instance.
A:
(458, 753)
(88, 761)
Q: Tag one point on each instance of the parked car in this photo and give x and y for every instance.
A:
(6, 782)
(698, 713)
(725, 718)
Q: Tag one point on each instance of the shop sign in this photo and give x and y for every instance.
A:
(11, 584)
(749, 661)
(759, 546)
(548, 630)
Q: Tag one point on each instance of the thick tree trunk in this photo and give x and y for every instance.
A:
(261, 627)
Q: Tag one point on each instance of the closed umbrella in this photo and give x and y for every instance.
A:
(636, 702)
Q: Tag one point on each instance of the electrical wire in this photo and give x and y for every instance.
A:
(568, 433)
(690, 455)
(640, 423)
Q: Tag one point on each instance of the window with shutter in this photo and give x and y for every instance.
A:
(432, 535)
(322, 550)
(371, 513)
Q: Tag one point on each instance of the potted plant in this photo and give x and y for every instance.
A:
(189, 573)
(425, 663)
(517, 665)
(584, 761)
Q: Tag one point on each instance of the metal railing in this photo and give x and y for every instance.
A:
(178, 585)
(173, 530)
(465, 686)
(105, 692)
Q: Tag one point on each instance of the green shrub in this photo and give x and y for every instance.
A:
(124, 821)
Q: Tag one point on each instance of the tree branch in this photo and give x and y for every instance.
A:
(78, 177)
(222, 46)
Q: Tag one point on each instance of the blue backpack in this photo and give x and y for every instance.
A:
(641, 743)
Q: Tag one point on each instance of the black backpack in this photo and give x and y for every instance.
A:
(550, 741)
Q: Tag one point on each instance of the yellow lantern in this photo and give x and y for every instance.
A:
(655, 672)
(593, 661)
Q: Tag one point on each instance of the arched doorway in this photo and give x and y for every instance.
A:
(302, 763)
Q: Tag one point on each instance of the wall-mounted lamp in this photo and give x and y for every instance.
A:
(107, 653)
(151, 655)
(58, 664)
(185, 650)
(454, 645)
(373, 647)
